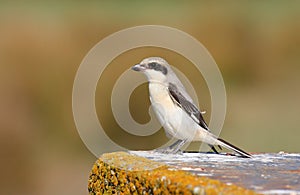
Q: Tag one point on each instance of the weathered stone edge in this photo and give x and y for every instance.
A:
(123, 173)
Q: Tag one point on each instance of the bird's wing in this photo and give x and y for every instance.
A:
(187, 106)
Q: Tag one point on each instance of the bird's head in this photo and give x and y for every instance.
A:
(155, 68)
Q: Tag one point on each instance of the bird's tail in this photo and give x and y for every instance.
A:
(229, 146)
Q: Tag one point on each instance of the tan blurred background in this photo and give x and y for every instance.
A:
(256, 45)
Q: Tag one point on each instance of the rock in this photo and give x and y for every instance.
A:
(124, 173)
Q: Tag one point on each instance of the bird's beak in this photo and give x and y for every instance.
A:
(137, 67)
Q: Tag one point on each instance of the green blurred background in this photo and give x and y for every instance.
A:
(256, 45)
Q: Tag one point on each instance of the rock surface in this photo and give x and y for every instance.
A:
(156, 173)
(277, 173)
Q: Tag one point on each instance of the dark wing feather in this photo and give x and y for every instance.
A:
(187, 106)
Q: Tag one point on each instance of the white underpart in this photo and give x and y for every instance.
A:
(175, 121)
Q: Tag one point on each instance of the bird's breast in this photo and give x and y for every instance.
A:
(174, 120)
(160, 97)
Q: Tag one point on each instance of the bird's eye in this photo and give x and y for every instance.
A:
(153, 65)
(158, 67)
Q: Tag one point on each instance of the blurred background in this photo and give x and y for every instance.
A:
(256, 45)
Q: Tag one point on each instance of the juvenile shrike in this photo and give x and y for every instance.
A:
(175, 109)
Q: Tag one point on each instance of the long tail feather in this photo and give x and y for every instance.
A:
(233, 148)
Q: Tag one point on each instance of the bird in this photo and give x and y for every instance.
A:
(175, 109)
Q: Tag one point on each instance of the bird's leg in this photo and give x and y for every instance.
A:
(177, 145)
(214, 149)
(173, 148)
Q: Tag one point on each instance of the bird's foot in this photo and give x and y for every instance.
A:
(172, 149)
(168, 150)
